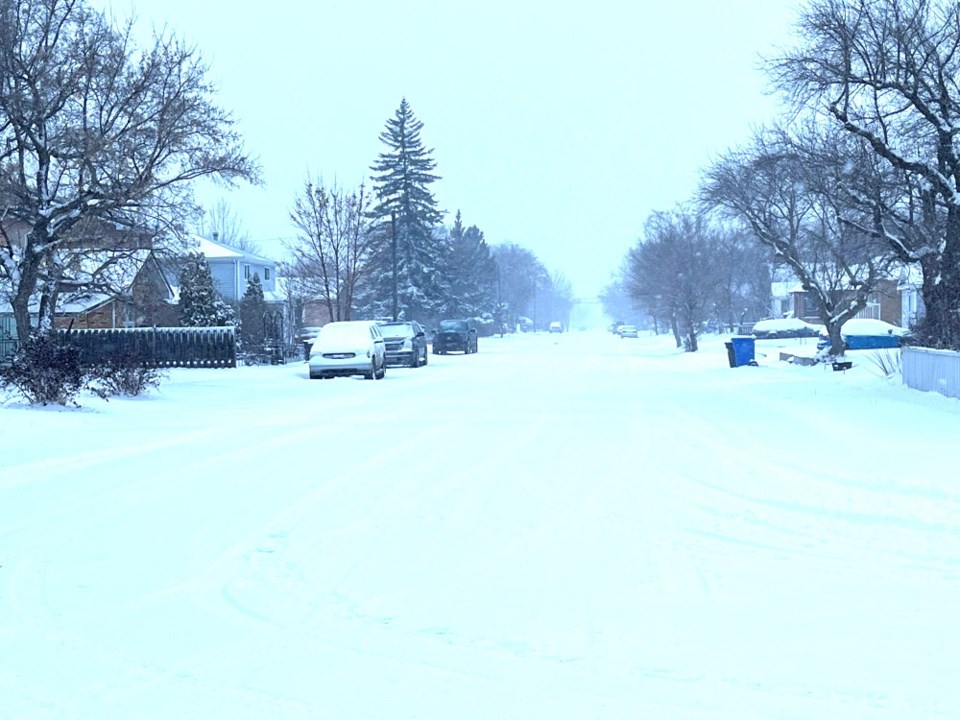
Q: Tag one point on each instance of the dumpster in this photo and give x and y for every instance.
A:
(740, 351)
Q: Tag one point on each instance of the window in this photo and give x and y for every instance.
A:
(246, 272)
(266, 273)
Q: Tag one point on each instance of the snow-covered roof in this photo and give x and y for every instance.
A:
(215, 249)
(870, 328)
(111, 268)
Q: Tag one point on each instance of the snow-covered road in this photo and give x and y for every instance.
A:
(569, 526)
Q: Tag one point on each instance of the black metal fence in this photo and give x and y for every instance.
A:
(198, 347)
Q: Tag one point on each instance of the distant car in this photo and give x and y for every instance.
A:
(455, 335)
(348, 348)
(556, 327)
(306, 334)
(405, 343)
(866, 334)
(628, 331)
(785, 328)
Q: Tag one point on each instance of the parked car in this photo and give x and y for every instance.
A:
(628, 331)
(452, 335)
(785, 328)
(866, 334)
(306, 334)
(405, 343)
(556, 327)
(348, 348)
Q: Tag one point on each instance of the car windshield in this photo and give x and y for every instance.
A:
(453, 325)
(396, 330)
(344, 332)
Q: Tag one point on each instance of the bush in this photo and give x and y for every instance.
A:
(46, 369)
(125, 375)
(888, 362)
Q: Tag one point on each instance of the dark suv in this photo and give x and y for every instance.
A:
(405, 342)
(455, 335)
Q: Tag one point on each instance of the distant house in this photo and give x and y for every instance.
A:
(133, 286)
(789, 299)
(910, 285)
(106, 290)
(132, 291)
(232, 268)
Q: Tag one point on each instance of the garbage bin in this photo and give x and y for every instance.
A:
(730, 355)
(743, 351)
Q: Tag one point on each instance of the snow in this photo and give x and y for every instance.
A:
(784, 325)
(560, 526)
(867, 327)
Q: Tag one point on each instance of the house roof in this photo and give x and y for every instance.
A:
(214, 249)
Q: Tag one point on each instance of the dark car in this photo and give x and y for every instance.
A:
(455, 335)
(406, 343)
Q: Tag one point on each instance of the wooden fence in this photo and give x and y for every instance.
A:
(198, 347)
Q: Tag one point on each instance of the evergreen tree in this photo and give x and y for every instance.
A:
(200, 304)
(252, 311)
(472, 272)
(407, 216)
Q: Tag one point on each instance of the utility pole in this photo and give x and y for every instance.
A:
(393, 242)
(499, 302)
(535, 304)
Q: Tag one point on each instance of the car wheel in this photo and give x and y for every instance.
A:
(425, 356)
(383, 372)
(415, 360)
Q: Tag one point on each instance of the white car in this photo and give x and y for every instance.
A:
(628, 331)
(348, 348)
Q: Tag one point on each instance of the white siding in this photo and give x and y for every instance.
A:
(932, 370)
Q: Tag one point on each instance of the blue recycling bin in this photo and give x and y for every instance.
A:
(744, 351)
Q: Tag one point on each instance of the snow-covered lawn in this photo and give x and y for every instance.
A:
(561, 526)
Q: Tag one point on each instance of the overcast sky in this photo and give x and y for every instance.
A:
(557, 126)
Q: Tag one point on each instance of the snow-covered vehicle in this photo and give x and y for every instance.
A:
(785, 328)
(348, 348)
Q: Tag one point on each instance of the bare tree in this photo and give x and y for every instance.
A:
(93, 128)
(887, 71)
(222, 224)
(518, 269)
(674, 271)
(331, 254)
(788, 192)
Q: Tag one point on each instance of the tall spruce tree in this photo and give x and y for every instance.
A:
(200, 304)
(252, 311)
(406, 216)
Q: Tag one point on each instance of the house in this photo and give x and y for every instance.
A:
(910, 286)
(789, 299)
(232, 268)
(130, 289)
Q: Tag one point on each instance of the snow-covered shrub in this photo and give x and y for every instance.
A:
(45, 370)
(126, 375)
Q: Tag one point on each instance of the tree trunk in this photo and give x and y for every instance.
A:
(837, 346)
(675, 326)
